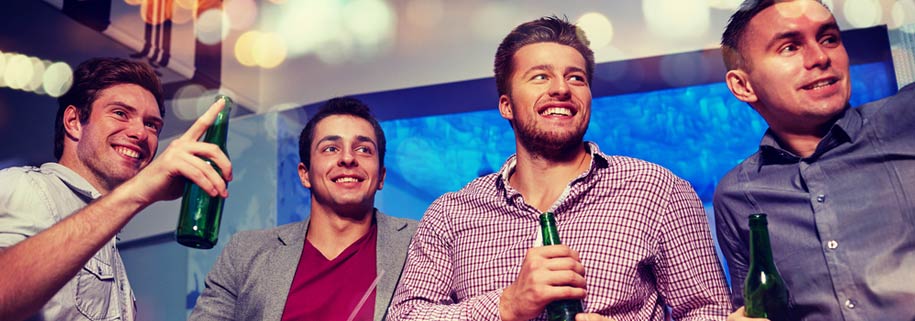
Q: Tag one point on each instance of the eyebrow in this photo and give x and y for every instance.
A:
(548, 67)
(794, 34)
(337, 138)
(134, 110)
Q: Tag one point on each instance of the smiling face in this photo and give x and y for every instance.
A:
(345, 170)
(549, 104)
(117, 141)
(796, 71)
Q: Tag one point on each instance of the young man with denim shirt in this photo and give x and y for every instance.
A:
(58, 222)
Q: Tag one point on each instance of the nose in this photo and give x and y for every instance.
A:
(347, 159)
(816, 57)
(137, 130)
(559, 88)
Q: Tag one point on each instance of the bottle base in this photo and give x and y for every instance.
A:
(195, 242)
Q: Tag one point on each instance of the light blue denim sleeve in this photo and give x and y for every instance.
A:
(24, 209)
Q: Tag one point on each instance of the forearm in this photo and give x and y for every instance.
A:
(33, 270)
(481, 307)
(691, 276)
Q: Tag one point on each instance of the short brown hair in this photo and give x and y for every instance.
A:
(546, 29)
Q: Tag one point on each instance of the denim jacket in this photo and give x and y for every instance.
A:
(34, 198)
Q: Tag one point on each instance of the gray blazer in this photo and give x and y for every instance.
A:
(253, 274)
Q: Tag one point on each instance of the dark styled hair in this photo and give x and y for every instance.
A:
(92, 77)
(732, 38)
(546, 29)
(339, 106)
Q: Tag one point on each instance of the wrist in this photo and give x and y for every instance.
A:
(506, 313)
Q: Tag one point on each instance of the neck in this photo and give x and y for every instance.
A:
(71, 161)
(331, 232)
(541, 181)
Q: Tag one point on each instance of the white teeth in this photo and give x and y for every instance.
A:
(557, 111)
(820, 84)
(346, 180)
(127, 152)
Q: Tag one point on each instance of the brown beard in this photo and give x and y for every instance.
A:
(546, 145)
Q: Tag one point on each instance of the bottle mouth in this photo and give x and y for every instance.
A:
(758, 219)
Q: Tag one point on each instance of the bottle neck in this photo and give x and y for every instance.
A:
(548, 229)
(760, 249)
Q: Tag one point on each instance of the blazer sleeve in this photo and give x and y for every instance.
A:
(220, 294)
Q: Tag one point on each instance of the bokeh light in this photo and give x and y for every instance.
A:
(423, 14)
(241, 13)
(369, 21)
(212, 26)
(862, 13)
(269, 50)
(38, 68)
(307, 25)
(335, 31)
(18, 71)
(133, 2)
(597, 28)
(677, 19)
(3, 60)
(244, 48)
(57, 79)
(184, 104)
(903, 13)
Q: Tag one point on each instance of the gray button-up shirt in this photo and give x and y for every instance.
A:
(842, 221)
(31, 200)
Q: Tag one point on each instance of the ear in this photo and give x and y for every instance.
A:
(739, 83)
(303, 176)
(505, 107)
(72, 126)
(384, 173)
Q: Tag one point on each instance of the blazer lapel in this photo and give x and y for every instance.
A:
(282, 267)
(390, 254)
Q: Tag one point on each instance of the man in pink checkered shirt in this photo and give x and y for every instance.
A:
(636, 241)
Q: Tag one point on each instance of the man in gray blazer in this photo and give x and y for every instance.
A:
(344, 261)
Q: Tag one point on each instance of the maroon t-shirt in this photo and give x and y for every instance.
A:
(325, 289)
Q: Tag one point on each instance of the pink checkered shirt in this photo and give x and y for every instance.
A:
(641, 231)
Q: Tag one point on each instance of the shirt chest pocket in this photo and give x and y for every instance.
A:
(96, 294)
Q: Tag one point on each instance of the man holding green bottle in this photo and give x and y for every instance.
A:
(58, 259)
(835, 181)
(635, 238)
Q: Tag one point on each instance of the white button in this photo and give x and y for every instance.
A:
(850, 304)
(832, 244)
(821, 198)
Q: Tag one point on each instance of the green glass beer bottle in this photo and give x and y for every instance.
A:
(198, 224)
(764, 291)
(562, 310)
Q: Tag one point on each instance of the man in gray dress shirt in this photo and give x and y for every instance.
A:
(58, 222)
(836, 182)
